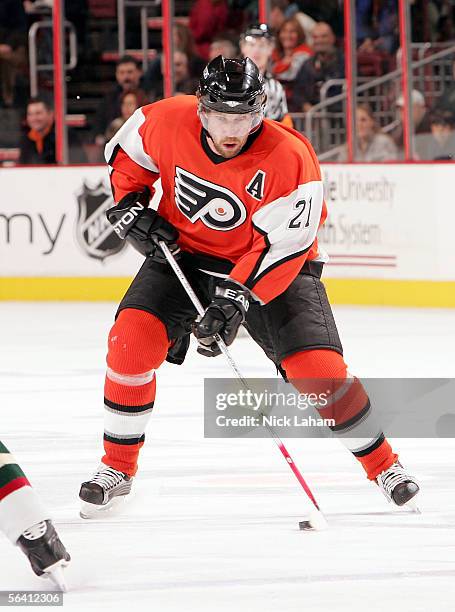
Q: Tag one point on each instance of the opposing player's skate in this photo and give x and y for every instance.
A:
(101, 492)
(45, 551)
(397, 485)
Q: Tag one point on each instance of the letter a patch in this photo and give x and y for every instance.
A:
(256, 186)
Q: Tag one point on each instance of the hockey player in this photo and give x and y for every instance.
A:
(242, 202)
(26, 522)
(257, 43)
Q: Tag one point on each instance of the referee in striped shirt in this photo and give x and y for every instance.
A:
(257, 43)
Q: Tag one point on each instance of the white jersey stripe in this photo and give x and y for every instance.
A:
(130, 141)
(7, 459)
(290, 223)
(19, 510)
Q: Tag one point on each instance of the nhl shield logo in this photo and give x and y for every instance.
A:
(95, 234)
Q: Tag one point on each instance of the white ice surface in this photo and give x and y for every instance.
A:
(213, 524)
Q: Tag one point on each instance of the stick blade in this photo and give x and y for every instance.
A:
(315, 522)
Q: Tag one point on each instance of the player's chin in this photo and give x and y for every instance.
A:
(231, 149)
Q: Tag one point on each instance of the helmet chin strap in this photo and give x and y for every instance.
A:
(207, 133)
(256, 128)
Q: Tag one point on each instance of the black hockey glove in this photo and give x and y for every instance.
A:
(141, 226)
(224, 315)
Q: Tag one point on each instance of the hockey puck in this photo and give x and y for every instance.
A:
(315, 522)
(305, 525)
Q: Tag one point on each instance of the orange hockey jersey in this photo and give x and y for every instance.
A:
(260, 210)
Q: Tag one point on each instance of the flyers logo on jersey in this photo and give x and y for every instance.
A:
(216, 206)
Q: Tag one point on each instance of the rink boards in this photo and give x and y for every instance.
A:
(389, 235)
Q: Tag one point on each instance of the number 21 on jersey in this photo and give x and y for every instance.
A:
(302, 206)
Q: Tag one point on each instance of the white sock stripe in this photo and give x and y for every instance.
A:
(124, 425)
(130, 380)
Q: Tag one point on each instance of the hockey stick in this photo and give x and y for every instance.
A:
(316, 518)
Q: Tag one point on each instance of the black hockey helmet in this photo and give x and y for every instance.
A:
(232, 86)
(258, 30)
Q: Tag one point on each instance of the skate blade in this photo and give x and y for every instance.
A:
(413, 507)
(56, 575)
(92, 511)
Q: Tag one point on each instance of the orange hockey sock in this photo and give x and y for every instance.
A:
(348, 405)
(138, 345)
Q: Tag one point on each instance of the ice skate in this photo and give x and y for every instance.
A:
(397, 486)
(103, 490)
(45, 551)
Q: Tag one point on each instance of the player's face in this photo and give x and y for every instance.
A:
(228, 131)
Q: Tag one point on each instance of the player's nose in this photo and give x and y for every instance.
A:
(233, 130)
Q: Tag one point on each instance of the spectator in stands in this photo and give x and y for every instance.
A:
(184, 82)
(257, 43)
(13, 40)
(183, 41)
(377, 25)
(222, 45)
(440, 144)
(290, 54)
(131, 101)
(207, 19)
(128, 76)
(326, 63)
(420, 117)
(37, 145)
(372, 144)
(280, 10)
(277, 14)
